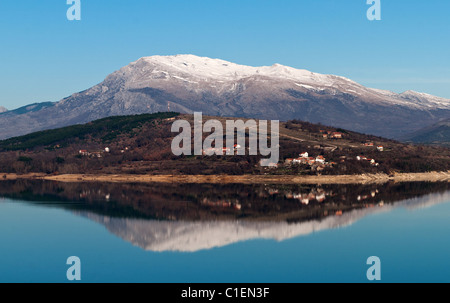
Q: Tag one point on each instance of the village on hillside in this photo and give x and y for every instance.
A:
(314, 159)
(317, 161)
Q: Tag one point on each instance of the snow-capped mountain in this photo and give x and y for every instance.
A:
(3, 109)
(216, 87)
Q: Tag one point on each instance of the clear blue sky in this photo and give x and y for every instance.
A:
(45, 57)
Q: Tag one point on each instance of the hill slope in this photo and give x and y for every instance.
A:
(141, 144)
(103, 130)
(438, 134)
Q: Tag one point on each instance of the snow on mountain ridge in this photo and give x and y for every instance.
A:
(204, 68)
(426, 99)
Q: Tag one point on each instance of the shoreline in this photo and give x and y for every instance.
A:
(244, 179)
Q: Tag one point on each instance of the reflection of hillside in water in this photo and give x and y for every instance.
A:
(188, 236)
(190, 217)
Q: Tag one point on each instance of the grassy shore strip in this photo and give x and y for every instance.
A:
(245, 179)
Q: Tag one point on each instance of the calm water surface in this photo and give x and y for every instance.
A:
(224, 233)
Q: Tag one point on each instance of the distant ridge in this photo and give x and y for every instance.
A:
(26, 109)
(438, 134)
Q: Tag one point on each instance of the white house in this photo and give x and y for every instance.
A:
(320, 159)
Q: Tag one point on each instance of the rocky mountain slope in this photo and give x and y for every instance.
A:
(189, 83)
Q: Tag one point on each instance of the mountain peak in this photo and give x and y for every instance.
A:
(3, 109)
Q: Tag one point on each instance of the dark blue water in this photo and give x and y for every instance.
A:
(409, 236)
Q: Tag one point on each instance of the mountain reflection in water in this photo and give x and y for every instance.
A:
(192, 217)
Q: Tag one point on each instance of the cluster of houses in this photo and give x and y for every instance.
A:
(371, 144)
(319, 162)
(363, 158)
(221, 151)
(331, 134)
(96, 154)
(304, 158)
(99, 154)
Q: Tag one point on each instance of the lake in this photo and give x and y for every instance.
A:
(224, 233)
